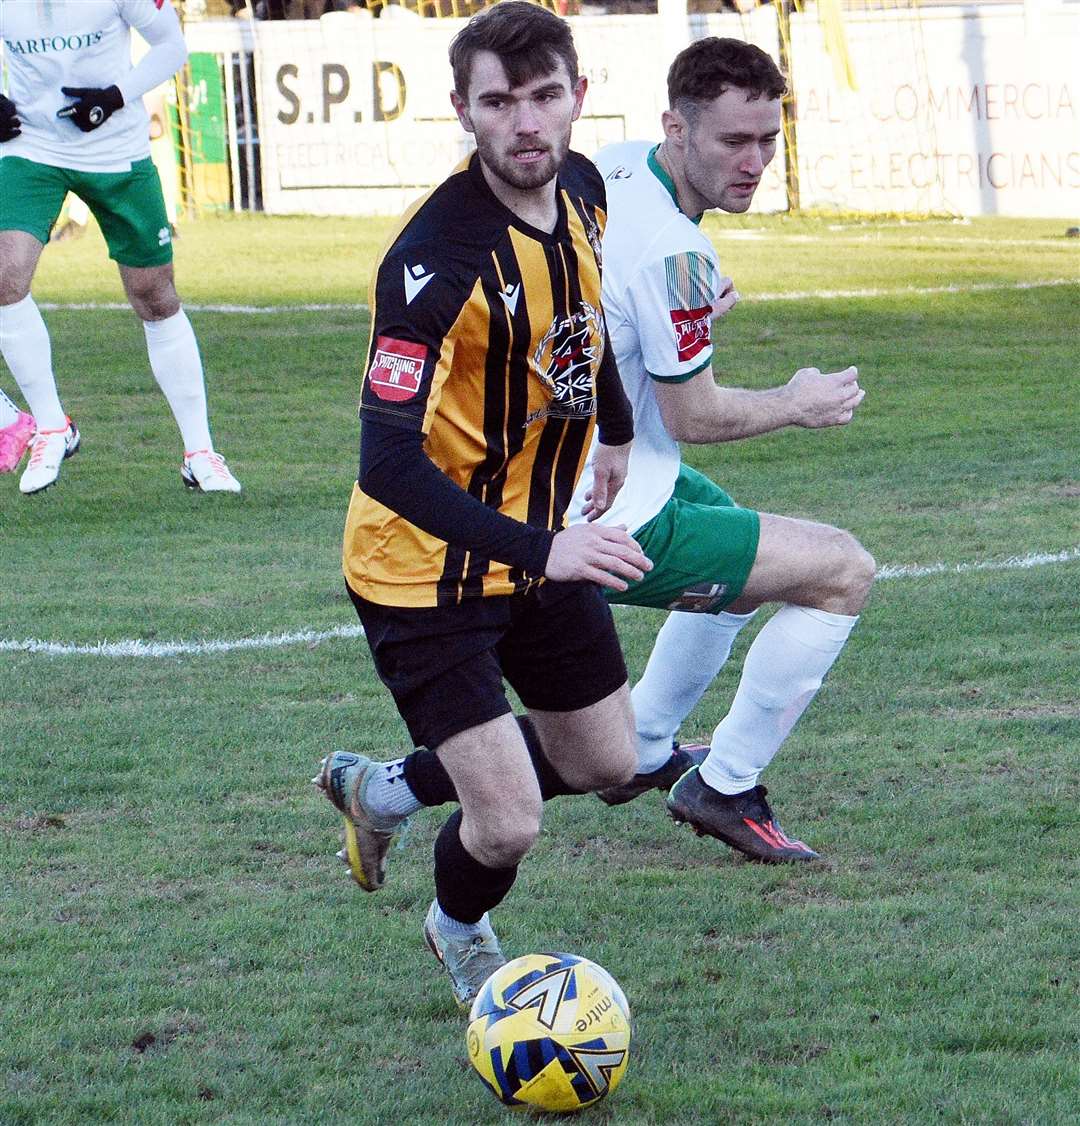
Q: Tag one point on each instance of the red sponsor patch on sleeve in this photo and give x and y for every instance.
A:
(397, 369)
(692, 328)
(158, 4)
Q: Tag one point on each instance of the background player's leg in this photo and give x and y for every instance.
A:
(178, 369)
(172, 348)
(24, 340)
(824, 577)
(686, 658)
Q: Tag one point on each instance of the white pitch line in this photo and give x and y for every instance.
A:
(909, 291)
(120, 306)
(885, 241)
(795, 295)
(1016, 563)
(135, 648)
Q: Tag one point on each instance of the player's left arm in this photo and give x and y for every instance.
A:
(156, 22)
(676, 300)
(701, 411)
(615, 422)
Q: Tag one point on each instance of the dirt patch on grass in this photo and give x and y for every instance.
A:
(806, 895)
(159, 1037)
(1064, 489)
(39, 823)
(1031, 711)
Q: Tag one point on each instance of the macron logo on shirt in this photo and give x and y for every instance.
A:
(510, 297)
(416, 277)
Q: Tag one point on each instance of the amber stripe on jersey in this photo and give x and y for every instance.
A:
(509, 321)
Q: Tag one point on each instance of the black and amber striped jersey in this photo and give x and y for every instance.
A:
(487, 338)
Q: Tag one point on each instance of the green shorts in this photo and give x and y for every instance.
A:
(702, 545)
(128, 206)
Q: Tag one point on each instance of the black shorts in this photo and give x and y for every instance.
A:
(556, 645)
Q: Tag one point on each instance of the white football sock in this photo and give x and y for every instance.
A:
(388, 794)
(177, 366)
(784, 669)
(689, 651)
(9, 412)
(24, 344)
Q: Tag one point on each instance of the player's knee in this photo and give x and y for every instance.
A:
(855, 573)
(501, 842)
(152, 295)
(13, 288)
(618, 765)
(155, 306)
(502, 832)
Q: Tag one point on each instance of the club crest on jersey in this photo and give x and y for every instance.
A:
(592, 233)
(397, 369)
(567, 360)
(691, 330)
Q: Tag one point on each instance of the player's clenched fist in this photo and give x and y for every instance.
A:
(597, 554)
(726, 299)
(825, 398)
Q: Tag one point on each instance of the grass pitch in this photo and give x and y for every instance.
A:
(177, 943)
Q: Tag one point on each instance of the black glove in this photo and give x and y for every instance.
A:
(93, 107)
(9, 120)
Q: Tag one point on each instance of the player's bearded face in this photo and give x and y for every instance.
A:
(729, 145)
(522, 134)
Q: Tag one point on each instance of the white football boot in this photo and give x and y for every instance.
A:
(48, 448)
(206, 471)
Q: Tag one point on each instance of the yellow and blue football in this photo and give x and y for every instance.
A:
(550, 1031)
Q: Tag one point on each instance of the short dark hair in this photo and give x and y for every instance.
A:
(529, 40)
(708, 67)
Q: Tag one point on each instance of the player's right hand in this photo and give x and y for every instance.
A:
(92, 107)
(726, 299)
(824, 398)
(597, 554)
(10, 125)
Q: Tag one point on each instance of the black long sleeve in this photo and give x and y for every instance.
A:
(614, 415)
(395, 471)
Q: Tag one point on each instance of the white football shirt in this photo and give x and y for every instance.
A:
(661, 277)
(52, 43)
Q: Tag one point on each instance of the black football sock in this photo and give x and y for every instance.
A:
(464, 887)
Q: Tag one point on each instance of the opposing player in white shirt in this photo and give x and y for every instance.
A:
(714, 562)
(74, 121)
